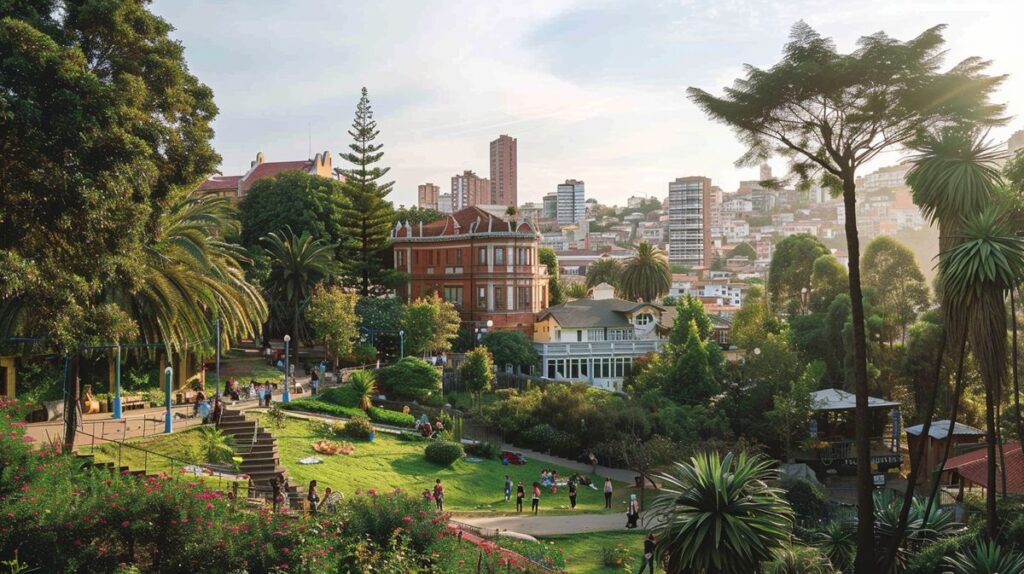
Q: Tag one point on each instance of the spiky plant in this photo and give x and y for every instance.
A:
(364, 387)
(985, 558)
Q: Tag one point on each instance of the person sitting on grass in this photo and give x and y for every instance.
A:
(331, 499)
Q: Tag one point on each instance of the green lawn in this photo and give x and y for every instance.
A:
(583, 552)
(388, 463)
(179, 445)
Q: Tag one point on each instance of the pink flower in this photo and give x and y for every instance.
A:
(126, 524)
(407, 519)
(372, 492)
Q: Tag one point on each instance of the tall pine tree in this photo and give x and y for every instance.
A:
(366, 217)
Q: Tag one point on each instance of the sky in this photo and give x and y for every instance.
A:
(592, 90)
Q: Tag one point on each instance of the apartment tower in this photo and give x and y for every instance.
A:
(689, 221)
(428, 195)
(504, 190)
(572, 207)
(469, 189)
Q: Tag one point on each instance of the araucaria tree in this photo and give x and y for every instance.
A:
(829, 113)
(366, 215)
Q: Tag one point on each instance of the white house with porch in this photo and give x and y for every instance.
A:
(596, 339)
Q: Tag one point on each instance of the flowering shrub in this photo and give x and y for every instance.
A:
(378, 517)
(358, 429)
(618, 557)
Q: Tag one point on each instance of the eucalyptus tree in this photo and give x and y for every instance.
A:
(830, 113)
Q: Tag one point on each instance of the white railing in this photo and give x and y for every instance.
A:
(577, 349)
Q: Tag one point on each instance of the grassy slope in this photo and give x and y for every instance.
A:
(389, 463)
(582, 552)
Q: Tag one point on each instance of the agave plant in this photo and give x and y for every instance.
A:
(364, 387)
(836, 540)
(212, 445)
(717, 515)
(798, 559)
(924, 524)
(986, 558)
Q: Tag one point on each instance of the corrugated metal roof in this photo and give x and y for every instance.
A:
(838, 400)
(940, 429)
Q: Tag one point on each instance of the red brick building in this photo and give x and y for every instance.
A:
(236, 186)
(485, 265)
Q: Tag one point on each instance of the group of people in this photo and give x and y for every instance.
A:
(425, 428)
(279, 493)
(210, 411)
(436, 494)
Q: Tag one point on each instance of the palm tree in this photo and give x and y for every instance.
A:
(363, 386)
(976, 276)
(647, 276)
(212, 445)
(297, 264)
(604, 270)
(719, 516)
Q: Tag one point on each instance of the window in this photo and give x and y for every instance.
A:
(482, 256)
(644, 319)
(499, 255)
(523, 298)
(558, 334)
(595, 334)
(458, 257)
(400, 259)
(579, 335)
(453, 295)
(500, 300)
(481, 297)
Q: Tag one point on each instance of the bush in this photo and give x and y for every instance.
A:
(546, 438)
(807, 500)
(319, 427)
(617, 557)
(410, 378)
(338, 429)
(359, 429)
(411, 437)
(443, 453)
(316, 406)
(505, 394)
(929, 558)
(393, 418)
(482, 449)
(344, 395)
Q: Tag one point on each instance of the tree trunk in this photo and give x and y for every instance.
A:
(865, 562)
(987, 333)
(1013, 363)
(295, 343)
(71, 406)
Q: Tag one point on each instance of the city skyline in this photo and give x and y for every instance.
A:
(590, 91)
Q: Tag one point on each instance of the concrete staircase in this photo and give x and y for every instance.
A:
(258, 449)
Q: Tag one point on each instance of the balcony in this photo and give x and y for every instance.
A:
(841, 453)
(558, 349)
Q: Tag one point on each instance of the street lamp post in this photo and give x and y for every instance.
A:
(167, 400)
(117, 387)
(401, 344)
(287, 397)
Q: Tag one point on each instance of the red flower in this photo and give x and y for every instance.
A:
(126, 524)
(406, 519)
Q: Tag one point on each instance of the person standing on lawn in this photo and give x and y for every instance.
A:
(508, 488)
(312, 497)
(607, 493)
(439, 495)
(647, 562)
(536, 498)
(572, 494)
(520, 495)
(314, 380)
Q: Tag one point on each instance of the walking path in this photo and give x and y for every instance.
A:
(619, 474)
(550, 525)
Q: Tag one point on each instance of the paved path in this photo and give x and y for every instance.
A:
(619, 474)
(549, 525)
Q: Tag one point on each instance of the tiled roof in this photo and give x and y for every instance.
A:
(973, 466)
(584, 313)
(270, 169)
(218, 182)
(463, 222)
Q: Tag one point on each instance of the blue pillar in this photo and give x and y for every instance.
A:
(167, 400)
(117, 387)
(287, 396)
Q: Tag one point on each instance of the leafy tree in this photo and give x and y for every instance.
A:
(367, 215)
(790, 270)
(297, 264)
(690, 308)
(743, 249)
(828, 280)
(477, 371)
(718, 514)
(379, 313)
(679, 268)
(794, 408)
(604, 270)
(753, 322)
(331, 315)
(646, 276)
(899, 288)
(294, 199)
(415, 215)
(90, 160)
(639, 454)
(547, 257)
(511, 348)
(830, 113)
(430, 325)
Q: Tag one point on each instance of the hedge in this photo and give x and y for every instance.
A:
(358, 428)
(375, 414)
(443, 453)
(483, 450)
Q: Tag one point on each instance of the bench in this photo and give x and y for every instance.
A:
(132, 402)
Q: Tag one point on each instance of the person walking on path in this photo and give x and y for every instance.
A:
(607, 493)
(535, 505)
(632, 511)
(508, 488)
(647, 562)
(520, 495)
(439, 495)
(572, 494)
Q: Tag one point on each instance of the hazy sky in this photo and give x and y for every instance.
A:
(592, 90)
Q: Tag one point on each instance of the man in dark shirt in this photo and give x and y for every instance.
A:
(647, 562)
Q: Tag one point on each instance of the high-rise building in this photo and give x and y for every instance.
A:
(428, 194)
(689, 221)
(504, 190)
(572, 206)
(765, 171)
(469, 189)
(444, 203)
(550, 206)
(715, 209)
